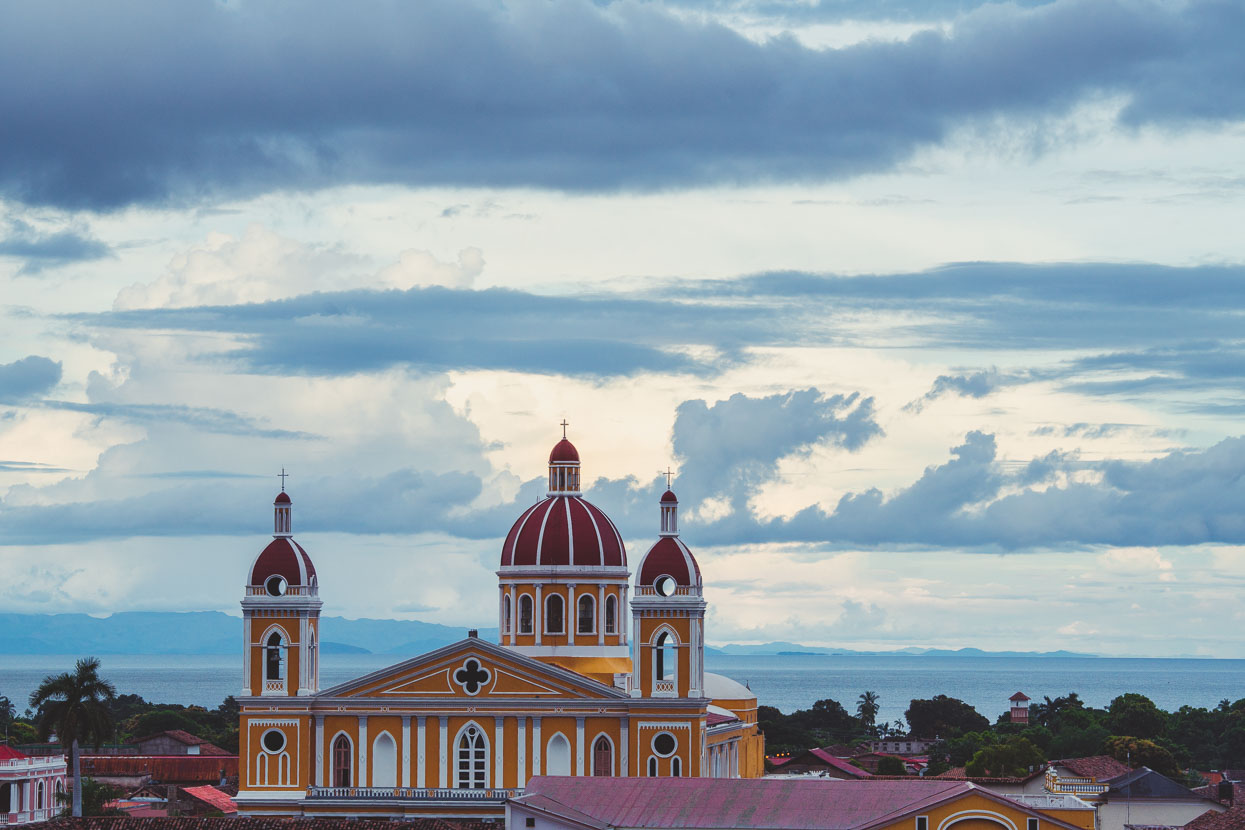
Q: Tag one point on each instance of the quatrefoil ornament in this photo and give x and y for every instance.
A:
(472, 676)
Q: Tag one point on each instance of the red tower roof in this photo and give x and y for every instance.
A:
(564, 452)
(1019, 696)
(283, 557)
(282, 498)
(669, 497)
(669, 557)
(564, 530)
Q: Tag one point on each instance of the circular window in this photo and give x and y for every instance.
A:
(665, 585)
(275, 586)
(273, 740)
(664, 744)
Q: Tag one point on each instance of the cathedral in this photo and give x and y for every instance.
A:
(569, 689)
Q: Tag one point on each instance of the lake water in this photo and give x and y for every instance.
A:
(787, 682)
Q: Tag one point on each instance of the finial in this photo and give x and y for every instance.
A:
(669, 474)
(283, 475)
(564, 426)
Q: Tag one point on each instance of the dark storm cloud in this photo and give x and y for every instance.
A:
(445, 329)
(28, 378)
(205, 419)
(41, 250)
(151, 102)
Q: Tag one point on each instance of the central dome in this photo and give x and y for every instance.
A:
(564, 530)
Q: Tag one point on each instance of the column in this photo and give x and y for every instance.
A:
(572, 614)
(536, 748)
(246, 656)
(622, 609)
(693, 682)
(303, 631)
(538, 612)
(445, 756)
(521, 780)
(319, 751)
(362, 782)
(579, 746)
(624, 742)
(499, 768)
(601, 614)
(421, 769)
(405, 781)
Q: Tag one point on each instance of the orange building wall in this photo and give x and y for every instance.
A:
(977, 814)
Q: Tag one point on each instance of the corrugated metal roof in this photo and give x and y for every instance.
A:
(165, 768)
(777, 804)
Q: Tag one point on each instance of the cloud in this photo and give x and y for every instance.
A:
(974, 385)
(42, 250)
(28, 378)
(258, 97)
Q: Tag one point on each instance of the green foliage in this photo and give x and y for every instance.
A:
(1138, 752)
(75, 707)
(961, 750)
(1011, 758)
(827, 722)
(94, 796)
(1136, 715)
(890, 765)
(162, 720)
(943, 716)
(867, 710)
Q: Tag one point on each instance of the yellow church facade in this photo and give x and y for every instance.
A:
(574, 687)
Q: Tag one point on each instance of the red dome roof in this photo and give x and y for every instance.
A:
(669, 497)
(564, 530)
(669, 557)
(564, 452)
(283, 557)
(282, 498)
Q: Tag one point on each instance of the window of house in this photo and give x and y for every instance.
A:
(472, 760)
(1032, 824)
(611, 614)
(554, 609)
(505, 613)
(602, 757)
(525, 614)
(922, 823)
(341, 762)
(587, 615)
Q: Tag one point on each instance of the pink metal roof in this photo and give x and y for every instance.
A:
(780, 804)
(839, 764)
(713, 719)
(213, 796)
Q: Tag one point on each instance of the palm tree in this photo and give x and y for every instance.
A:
(867, 710)
(73, 706)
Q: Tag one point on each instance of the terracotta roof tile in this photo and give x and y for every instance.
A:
(214, 797)
(1099, 767)
(164, 768)
(201, 823)
(1233, 819)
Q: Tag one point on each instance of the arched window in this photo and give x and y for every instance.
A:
(554, 623)
(274, 658)
(611, 614)
(505, 613)
(602, 757)
(676, 768)
(384, 761)
(342, 772)
(472, 759)
(525, 614)
(39, 805)
(663, 652)
(558, 756)
(652, 767)
(587, 614)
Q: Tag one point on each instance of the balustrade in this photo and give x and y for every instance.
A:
(411, 793)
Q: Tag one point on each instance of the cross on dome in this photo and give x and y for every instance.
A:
(564, 426)
(283, 475)
(669, 474)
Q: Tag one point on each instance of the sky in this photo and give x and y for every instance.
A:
(936, 309)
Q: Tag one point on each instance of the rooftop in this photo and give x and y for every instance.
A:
(1098, 767)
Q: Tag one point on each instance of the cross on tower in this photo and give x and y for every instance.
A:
(283, 475)
(564, 425)
(472, 676)
(669, 474)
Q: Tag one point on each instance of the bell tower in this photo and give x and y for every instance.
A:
(281, 615)
(668, 615)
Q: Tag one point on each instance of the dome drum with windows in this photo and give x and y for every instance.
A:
(563, 579)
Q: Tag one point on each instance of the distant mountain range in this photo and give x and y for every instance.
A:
(213, 632)
(207, 632)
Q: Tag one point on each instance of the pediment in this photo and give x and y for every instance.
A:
(472, 669)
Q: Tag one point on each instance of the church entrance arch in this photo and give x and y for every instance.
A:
(558, 756)
(384, 761)
(471, 756)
